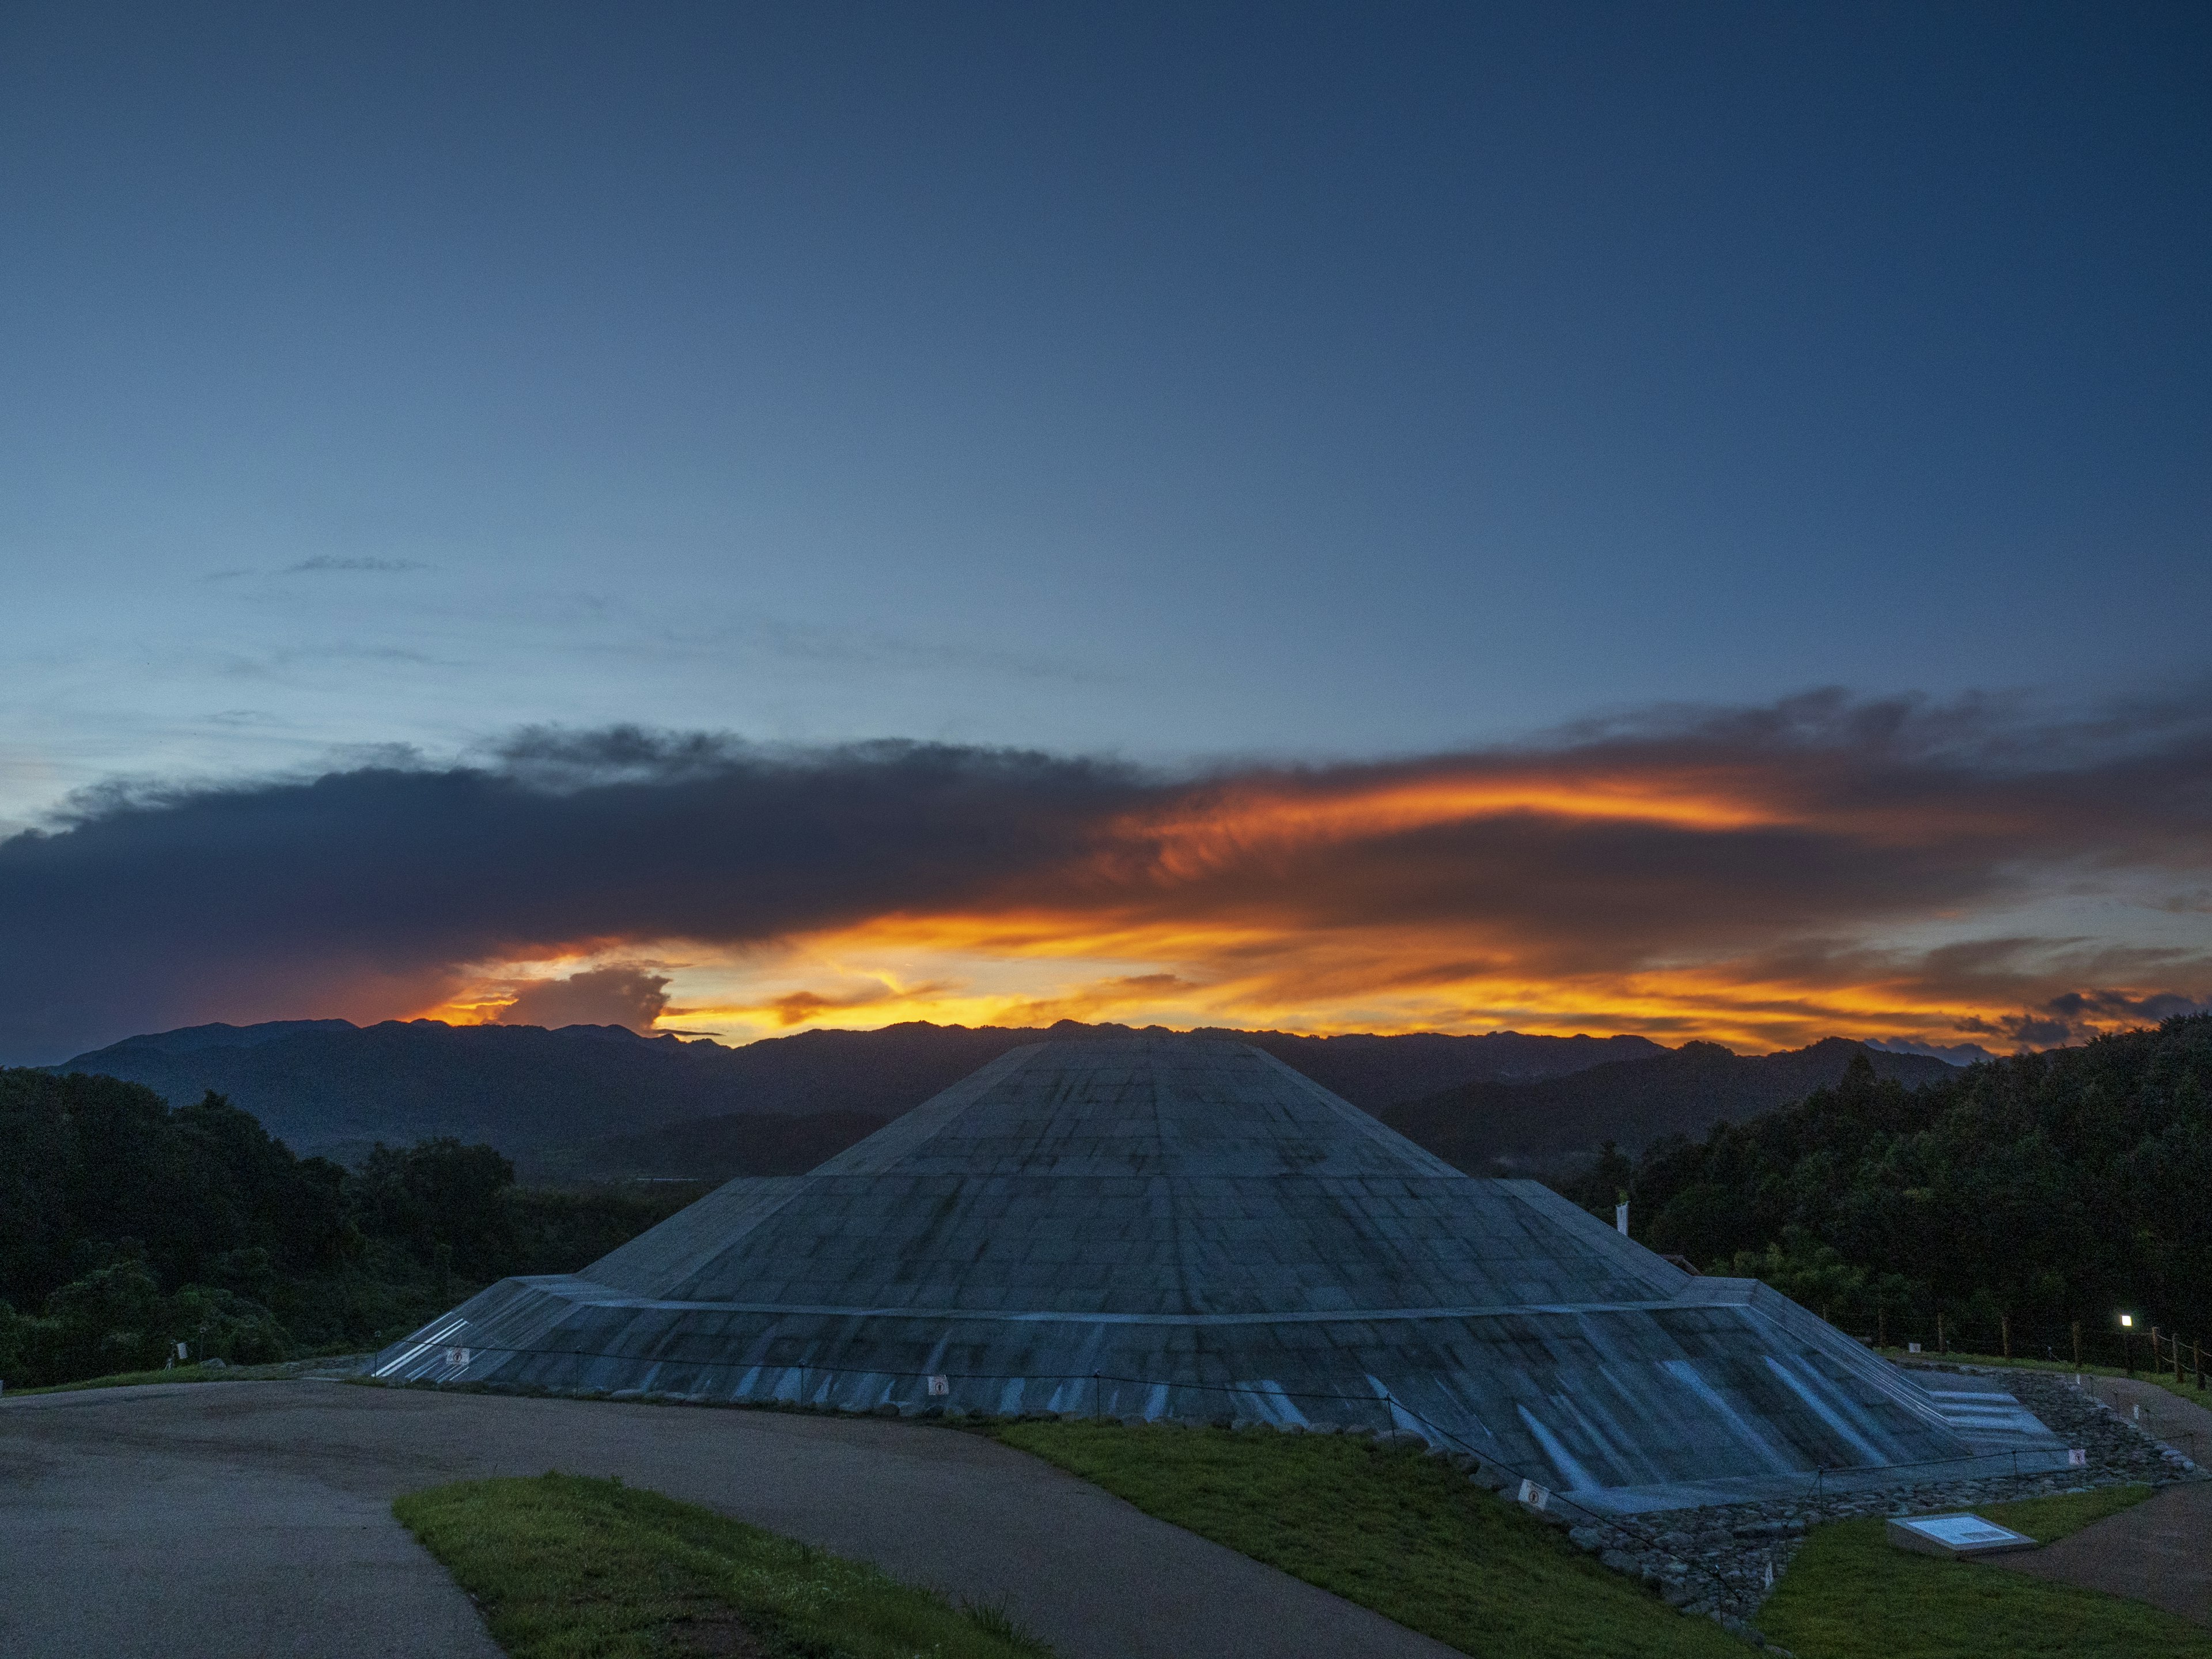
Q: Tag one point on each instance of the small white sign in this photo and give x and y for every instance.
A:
(1534, 1495)
(180, 1350)
(456, 1356)
(1912, 1347)
(1955, 1535)
(2077, 1458)
(939, 1386)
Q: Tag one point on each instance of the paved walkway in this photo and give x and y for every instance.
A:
(2158, 1551)
(253, 1521)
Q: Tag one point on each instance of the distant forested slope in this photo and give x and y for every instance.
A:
(2044, 1188)
(1498, 1126)
(126, 1227)
(706, 1149)
(326, 1085)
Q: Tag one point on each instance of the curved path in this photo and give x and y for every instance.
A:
(253, 1521)
(2156, 1552)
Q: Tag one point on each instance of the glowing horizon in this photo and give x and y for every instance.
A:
(1295, 902)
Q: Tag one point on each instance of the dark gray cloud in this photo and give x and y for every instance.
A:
(621, 993)
(2076, 1016)
(364, 888)
(1786, 839)
(324, 562)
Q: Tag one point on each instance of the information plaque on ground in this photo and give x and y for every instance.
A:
(1955, 1536)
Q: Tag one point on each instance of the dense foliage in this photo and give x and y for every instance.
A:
(127, 1227)
(2018, 1198)
(2013, 1201)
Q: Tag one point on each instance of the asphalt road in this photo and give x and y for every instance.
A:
(253, 1521)
(2156, 1552)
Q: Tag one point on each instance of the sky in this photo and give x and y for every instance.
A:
(1680, 519)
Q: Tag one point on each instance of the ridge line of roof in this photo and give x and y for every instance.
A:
(1338, 1316)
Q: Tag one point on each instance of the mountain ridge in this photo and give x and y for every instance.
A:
(1540, 1125)
(333, 1086)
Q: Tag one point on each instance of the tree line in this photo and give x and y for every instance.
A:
(2012, 1202)
(127, 1227)
(2020, 1198)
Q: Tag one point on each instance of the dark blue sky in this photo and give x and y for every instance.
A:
(1174, 380)
(1210, 387)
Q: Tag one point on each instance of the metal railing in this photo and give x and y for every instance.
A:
(2077, 1345)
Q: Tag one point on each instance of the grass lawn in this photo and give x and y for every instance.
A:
(568, 1568)
(1395, 1531)
(1405, 1535)
(1849, 1595)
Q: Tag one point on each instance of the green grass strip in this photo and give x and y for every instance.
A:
(173, 1374)
(1395, 1531)
(1851, 1594)
(569, 1568)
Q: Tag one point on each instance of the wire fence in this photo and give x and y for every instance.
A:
(2079, 1344)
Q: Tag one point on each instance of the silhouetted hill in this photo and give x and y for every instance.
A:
(329, 1086)
(1483, 1125)
(708, 1150)
(2024, 1199)
(189, 1039)
(1374, 1072)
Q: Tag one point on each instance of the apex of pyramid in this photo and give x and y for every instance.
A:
(1139, 1106)
(1173, 1175)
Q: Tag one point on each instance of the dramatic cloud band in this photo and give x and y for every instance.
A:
(1933, 875)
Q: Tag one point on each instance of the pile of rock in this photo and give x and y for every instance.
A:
(2080, 1418)
(1723, 1560)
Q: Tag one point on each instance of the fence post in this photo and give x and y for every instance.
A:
(2004, 1328)
(2077, 1345)
(1941, 1346)
(1095, 1385)
(1881, 1326)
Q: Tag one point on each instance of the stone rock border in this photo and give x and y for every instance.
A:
(1722, 1560)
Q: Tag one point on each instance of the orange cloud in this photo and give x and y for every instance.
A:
(1757, 876)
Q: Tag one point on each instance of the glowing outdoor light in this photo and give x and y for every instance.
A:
(2127, 1321)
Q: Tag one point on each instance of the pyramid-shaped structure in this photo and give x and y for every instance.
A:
(1180, 1227)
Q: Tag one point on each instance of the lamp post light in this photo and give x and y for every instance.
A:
(2128, 1342)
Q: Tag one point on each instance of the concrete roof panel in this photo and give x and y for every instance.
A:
(1207, 1233)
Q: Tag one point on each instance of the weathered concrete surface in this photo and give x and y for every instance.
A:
(2158, 1551)
(252, 1521)
(1185, 1227)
